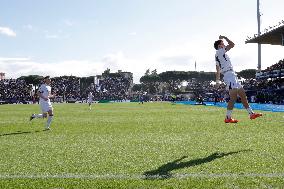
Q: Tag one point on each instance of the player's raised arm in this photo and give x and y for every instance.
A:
(230, 45)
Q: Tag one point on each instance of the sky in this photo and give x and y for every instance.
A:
(85, 37)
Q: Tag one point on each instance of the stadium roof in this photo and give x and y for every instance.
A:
(274, 36)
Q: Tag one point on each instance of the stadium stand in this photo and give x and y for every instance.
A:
(111, 87)
(15, 91)
(66, 87)
(267, 87)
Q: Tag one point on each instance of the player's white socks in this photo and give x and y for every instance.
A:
(49, 119)
(229, 113)
(249, 110)
(38, 116)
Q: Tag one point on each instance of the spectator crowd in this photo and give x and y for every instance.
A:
(66, 88)
(267, 87)
(110, 88)
(15, 91)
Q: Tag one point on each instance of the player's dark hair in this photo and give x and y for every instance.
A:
(217, 43)
(46, 77)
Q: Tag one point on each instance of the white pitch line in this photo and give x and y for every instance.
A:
(138, 176)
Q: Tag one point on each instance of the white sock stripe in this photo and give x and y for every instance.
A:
(37, 116)
(249, 110)
(49, 119)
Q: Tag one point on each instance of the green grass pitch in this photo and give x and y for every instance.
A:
(131, 145)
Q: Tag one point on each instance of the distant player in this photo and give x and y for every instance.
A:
(141, 99)
(90, 100)
(44, 93)
(173, 98)
(224, 66)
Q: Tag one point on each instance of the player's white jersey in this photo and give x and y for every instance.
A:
(45, 90)
(90, 98)
(223, 60)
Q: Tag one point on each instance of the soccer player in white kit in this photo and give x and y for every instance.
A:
(90, 99)
(44, 93)
(224, 66)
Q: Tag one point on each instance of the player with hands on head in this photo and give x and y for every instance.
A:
(225, 67)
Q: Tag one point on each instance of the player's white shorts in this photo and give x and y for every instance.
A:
(90, 101)
(45, 106)
(231, 80)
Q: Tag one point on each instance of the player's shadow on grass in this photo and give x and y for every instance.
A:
(164, 171)
(20, 133)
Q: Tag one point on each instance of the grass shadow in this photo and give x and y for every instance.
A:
(19, 133)
(164, 171)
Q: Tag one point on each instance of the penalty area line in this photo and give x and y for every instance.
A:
(139, 176)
